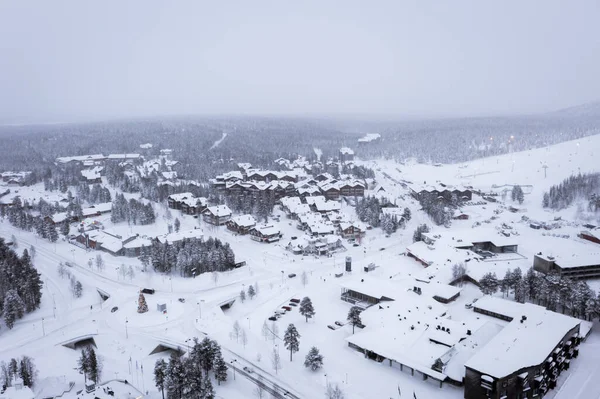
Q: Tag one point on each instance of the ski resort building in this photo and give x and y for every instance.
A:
(241, 224)
(175, 201)
(526, 357)
(573, 259)
(440, 191)
(266, 234)
(346, 155)
(217, 215)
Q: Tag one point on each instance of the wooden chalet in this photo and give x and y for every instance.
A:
(241, 224)
(266, 234)
(217, 215)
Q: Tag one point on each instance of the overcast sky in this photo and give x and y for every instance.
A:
(78, 60)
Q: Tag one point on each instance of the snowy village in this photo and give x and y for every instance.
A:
(299, 201)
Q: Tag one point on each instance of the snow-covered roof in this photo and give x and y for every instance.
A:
(346, 151)
(244, 220)
(195, 201)
(138, 243)
(181, 196)
(369, 137)
(59, 217)
(93, 173)
(357, 225)
(179, 236)
(102, 208)
(14, 393)
(219, 210)
(520, 344)
(81, 158)
(123, 156)
(568, 253)
(267, 230)
(169, 175)
(146, 146)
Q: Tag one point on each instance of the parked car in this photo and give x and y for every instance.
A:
(292, 275)
(295, 300)
(355, 245)
(273, 318)
(468, 306)
(248, 369)
(331, 327)
(287, 308)
(148, 291)
(182, 300)
(339, 323)
(279, 312)
(113, 310)
(293, 304)
(294, 238)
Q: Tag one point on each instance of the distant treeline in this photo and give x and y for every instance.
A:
(581, 186)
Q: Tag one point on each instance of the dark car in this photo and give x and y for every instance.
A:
(148, 291)
(182, 300)
(286, 308)
(292, 275)
(355, 245)
(293, 304)
(113, 310)
(339, 323)
(295, 300)
(294, 237)
(273, 318)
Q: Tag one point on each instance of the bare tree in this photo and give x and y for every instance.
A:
(304, 278)
(237, 331)
(334, 392)
(275, 360)
(244, 337)
(215, 277)
(265, 330)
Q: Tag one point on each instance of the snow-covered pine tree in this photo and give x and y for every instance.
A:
(160, 375)
(13, 308)
(306, 308)
(142, 305)
(251, 292)
(291, 340)
(313, 360)
(489, 283)
(220, 369)
(242, 295)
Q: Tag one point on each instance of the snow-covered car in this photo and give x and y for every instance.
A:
(248, 369)
(182, 300)
(113, 310)
(468, 306)
(339, 323)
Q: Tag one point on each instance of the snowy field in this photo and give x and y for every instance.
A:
(124, 334)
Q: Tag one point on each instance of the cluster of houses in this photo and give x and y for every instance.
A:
(187, 203)
(281, 184)
(441, 191)
(14, 178)
(97, 159)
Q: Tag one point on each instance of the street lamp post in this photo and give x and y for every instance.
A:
(126, 332)
(43, 330)
(233, 367)
(282, 277)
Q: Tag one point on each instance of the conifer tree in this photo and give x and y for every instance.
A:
(142, 305)
(160, 375)
(251, 292)
(306, 308)
(291, 340)
(354, 317)
(313, 360)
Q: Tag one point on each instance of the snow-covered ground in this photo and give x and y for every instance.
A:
(125, 334)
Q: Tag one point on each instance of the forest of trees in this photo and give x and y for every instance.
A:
(582, 186)
(550, 290)
(190, 377)
(261, 206)
(20, 285)
(261, 140)
(191, 257)
(22, 368)
(131, 211)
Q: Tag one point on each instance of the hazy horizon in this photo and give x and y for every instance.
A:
(66, 61)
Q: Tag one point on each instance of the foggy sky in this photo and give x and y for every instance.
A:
(78, 60)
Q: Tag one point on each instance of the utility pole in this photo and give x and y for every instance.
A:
(43, 330)
(545, 169)
(126, 332)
